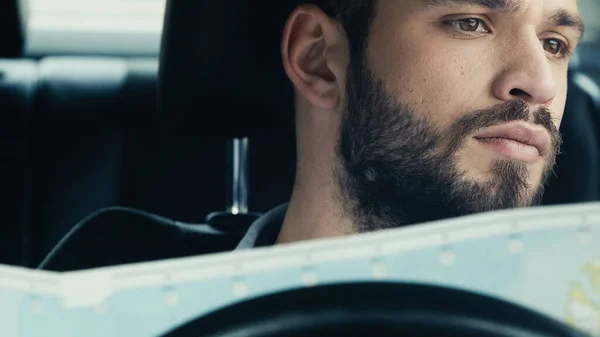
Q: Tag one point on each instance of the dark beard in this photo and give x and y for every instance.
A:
(398, 169)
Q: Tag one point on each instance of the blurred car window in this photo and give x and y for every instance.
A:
(590, 10)
(133, 27)
(113, 27)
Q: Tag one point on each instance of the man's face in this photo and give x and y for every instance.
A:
(454, 108)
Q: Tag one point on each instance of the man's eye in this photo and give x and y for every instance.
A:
(471, 25)
(554, 46)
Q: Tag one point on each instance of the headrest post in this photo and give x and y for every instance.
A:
(238, 176)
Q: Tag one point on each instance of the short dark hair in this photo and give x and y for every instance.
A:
(355, 16)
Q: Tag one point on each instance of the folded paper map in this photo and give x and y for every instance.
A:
(546, 259)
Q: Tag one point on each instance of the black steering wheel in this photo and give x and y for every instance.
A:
(374, 309)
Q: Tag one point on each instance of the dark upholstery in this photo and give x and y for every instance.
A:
(12, 37)
(17, 93)
(83, 108)
(76, 143)
(98, 141)
(226, 55)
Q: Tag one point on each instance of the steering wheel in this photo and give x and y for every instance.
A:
(374, 309)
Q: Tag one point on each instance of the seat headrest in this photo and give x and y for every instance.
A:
(221, 71)
(12, 38)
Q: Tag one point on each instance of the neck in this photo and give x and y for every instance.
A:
(314, 212)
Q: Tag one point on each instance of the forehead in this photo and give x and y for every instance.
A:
(496, 5)
(552, 5)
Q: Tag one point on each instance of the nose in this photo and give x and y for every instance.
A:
(527, 75)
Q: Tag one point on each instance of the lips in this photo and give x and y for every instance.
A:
(518, 140)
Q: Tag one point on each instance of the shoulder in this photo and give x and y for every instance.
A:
(118, 235)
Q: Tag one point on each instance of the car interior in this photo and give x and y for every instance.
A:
(136, 146)
(150, 136)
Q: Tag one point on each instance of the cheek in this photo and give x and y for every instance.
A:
(558, 104)
(557, 107)
(441, 82)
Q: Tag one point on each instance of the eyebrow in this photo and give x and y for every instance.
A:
(564, 18)
(495, 5)
(561, 17)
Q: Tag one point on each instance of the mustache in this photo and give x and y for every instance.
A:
(512, 111)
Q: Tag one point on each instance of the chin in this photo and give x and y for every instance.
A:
(507, 183)
(501, 170)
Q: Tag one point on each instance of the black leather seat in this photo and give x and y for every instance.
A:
(83, 109)
(99, 141)
(17, 92)
(12, 31)
(221, 75)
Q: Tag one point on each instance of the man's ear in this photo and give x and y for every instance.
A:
(307, 39)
